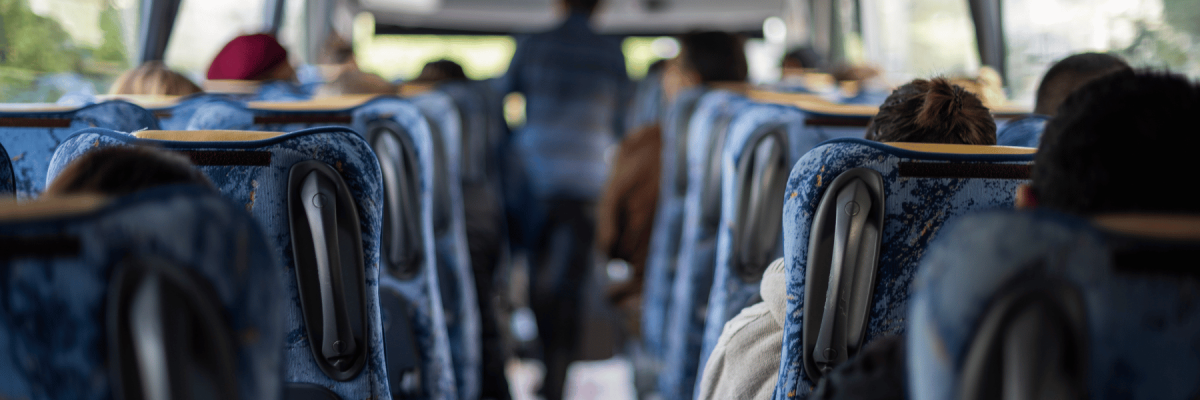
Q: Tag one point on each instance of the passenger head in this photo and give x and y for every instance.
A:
(933, 111)
(987, 85)
(441, 71)
(153, 78)
(585, 7)
(252, 57)
(801, 58)
(352, 82)
(1123, 143)
(117, 171)
(704, 58)
(337, 51)
(1070, 74)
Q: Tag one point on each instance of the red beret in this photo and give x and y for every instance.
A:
(247, 56)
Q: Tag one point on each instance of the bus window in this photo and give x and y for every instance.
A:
(50, 48)
(907, 39)
(203, 27)
(1147, 33)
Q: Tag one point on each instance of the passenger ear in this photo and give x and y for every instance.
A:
(1026, 199)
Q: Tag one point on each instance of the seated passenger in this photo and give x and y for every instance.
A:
(987, 85)
(348, 79)
(118, 171)
(249, 64)
(441, 71)
(1061, 80)
(745, 362)
(153, 78)
(625, 213)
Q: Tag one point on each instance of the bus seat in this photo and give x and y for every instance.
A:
(30, 135)
(707, 132)
(319, 196)
(8, 182)
(857, 217)
(668, 223)
(1022, 132)
(750, 206)
(93, 282)
(438, 118)
(647, 104)
(1036, 304)
(450, 235)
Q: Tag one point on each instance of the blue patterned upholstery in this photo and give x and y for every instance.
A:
(668, 223)
(52, 313)
(1138, 317)
(730, 294)
(437, 115)
(176, 117)
(8, 182)
(31, 136)
(646, 107)
(693, 268)
(1022, 132)
(454, 262)
(284, 91)
(263, 191)
(915, 208)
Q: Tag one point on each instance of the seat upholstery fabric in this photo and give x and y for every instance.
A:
(1140, 326)
(728, 294)
(1023, 132)
(262, 190)
(668, 223)
(52, 313)
(694, 261)
(915, 209)
(30, 137)
(441, 117)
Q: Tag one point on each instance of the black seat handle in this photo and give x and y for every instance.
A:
(320, 205)
(853, 205)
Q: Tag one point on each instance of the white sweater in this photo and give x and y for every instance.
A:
(745, 362)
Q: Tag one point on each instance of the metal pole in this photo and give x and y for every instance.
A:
(989, 34)
(158, 19)
(273, 15)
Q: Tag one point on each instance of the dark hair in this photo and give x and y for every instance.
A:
(657, 66)
(805, 57)
(1121, 143)
(440, 71)
(122, 170)
(715, 56)
(933, 111)
(586, 7)
(1070, 74)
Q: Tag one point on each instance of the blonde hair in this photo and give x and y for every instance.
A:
(987, 85)
(153, 78)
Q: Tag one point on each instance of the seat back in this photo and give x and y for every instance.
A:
(857, 217)
(707, 132)
(8, 182)
(319, 196)
(171, 292)
(765, 142)
(1041, 305)
(668, 221)
(30, 136)
(1022, 132)
(647, 105)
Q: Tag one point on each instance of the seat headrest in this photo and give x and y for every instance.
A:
(960, 148)
(35, 107)
(333, 103)
(232, 86)
(12, 211)
(146, 101)
(206, 136)
(1157, 226)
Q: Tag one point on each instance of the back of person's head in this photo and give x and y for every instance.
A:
(1120, 145)
(714, 56)
(1070, 74)
(585, 7)
(933, 111)
(256, 57)
(153, 78)
(441, 71)
(801, 58)
(118, 171)
(354, 81)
